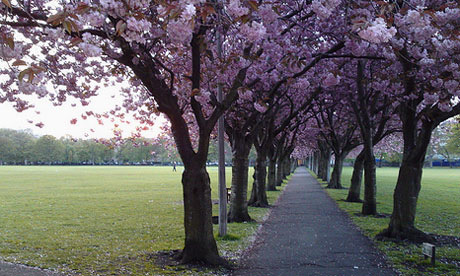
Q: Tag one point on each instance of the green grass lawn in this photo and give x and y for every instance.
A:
(438, 212)
(101, 220)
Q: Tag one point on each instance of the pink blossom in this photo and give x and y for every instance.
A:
(451, 86)
(90, 50)
(179, 31)
(189, 12)
(431, 98)
(245, 94)
(267, 14)
(377, 32)
(235, 9)
(254, 32)
(444, 106)
(330, 80)
(324, 8)
(262, 108)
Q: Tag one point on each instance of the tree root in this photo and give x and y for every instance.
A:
(210, 260)
(259, 204)
(240, 218)
(411, 234)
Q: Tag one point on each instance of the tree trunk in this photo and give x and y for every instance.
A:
(370, 187)
(316, 163)
(320, 164)
(259, 194)
(326, 160)
(416, 141)
(286, 167)
(271, 185)
(405, 204)
(238, 210)
(200, 245)
(336, 182)
(355, 188)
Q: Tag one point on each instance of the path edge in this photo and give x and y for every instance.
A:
(387, 263)
(256, 235)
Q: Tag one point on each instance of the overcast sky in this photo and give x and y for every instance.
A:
(57, 119)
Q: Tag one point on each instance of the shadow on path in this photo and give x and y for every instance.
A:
(306, 234)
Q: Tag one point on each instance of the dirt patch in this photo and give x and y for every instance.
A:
(170, 260)
(448, 241)
(165, 258)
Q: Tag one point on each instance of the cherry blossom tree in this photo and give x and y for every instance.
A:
(338, 131)
(419, 38)
(163, 55)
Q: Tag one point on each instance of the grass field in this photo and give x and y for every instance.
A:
(101, 220)
(438, 212)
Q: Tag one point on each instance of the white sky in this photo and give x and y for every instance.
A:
(57, 119)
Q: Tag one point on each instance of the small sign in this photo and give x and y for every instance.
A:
(429, 251)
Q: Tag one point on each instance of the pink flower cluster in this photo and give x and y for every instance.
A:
(235, 9)
(254, 31)
(330, 80)
(378, 32)
(324, 8)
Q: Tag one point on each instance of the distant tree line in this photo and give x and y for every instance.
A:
(22, 147)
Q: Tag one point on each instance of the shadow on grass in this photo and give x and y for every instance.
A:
(170, 260)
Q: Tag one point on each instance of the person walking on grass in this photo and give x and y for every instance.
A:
(174, 166)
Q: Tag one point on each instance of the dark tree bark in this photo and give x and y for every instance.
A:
(272, 156)
(364, 110)
(316, 163)
(402, 222)
(271, 184)
(200, 244)
(286, 167)
(416, 135)
(336, 181)
(259, 194)
(324, 160)
(370, 187)
(354, 192)
(238, 209)
(405, 197)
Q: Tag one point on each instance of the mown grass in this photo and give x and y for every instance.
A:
(438, 212)
(102, 220)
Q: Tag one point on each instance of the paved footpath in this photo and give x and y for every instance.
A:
(306, 234)
(7, 269)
